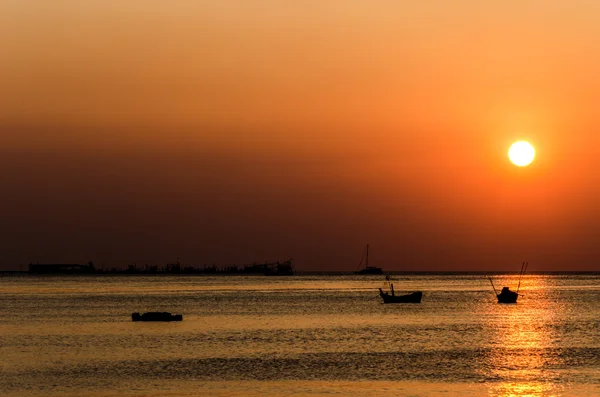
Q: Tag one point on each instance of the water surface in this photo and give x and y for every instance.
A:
(301, 335)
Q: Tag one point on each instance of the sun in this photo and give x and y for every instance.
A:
(521, 153)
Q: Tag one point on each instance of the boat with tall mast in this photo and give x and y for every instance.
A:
(367, 269)
(506, 295)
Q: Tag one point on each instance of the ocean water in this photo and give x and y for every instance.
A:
(300, 335)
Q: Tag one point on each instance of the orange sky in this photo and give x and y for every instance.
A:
(236, 131)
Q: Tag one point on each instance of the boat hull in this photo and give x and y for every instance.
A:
(156, 316)
(414, 297)
(507, 298)
(370, 270)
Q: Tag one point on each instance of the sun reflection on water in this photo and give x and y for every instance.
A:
(522, 359)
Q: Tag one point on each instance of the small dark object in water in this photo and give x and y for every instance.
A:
(370, 270)
(156, 316)
(367, 269)
(414, 297)
(507, 296)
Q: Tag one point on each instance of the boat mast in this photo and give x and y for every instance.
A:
(496, 292)
(367, 259)
(362, 258)
(523, 268)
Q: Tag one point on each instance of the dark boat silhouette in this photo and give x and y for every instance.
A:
(156, 316)
(413, 297)
(506, 295)
(368, 269)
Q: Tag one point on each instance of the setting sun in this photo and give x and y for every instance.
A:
(521, 153)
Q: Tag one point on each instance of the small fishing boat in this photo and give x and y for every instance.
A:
(413, 297)
(506, 295)
(156, 316)
(368, 269)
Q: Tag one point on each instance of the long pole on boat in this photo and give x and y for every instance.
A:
(365, 253)
(367, 260)
(523, 269)
(496, 292)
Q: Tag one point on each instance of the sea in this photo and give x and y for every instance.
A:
(300, 335)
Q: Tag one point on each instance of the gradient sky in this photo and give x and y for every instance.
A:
(240, 131)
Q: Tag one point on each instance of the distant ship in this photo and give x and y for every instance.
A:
(61, 268)
(280, 269)
(367, 269)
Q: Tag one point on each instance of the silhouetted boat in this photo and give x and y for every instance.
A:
(61, 268)
(156, 316)
(368, 269)
(506, 295)
(413, 297)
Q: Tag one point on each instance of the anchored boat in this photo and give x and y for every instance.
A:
(156, 316)
(413, 297)
(506, 295)
(367, 269)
